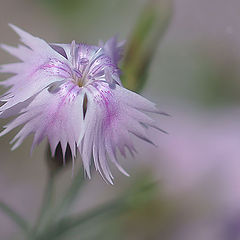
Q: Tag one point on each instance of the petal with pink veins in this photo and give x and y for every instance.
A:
(56, 115)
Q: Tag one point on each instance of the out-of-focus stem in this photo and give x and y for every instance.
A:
(131, 198)
(16, 217)
(46, 203)
(142, 45)
(67, 224)
(49, 214)
(70, 195)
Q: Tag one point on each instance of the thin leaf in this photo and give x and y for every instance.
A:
(15, 217)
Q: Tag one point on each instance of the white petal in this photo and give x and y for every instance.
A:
(57, 116)
(41, 66)
(110, 120)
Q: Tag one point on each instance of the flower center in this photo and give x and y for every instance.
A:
(88, 63)
(79, 73)
(80, 66)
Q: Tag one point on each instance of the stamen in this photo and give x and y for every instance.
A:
(83, 61)
(77, 73)
(73, 53)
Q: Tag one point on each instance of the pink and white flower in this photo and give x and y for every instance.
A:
(72, 94)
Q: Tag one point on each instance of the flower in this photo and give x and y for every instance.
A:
(72, 94)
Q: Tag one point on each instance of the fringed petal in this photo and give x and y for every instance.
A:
(56, 115)
(40, 67)
(109, 122)
(113, 49)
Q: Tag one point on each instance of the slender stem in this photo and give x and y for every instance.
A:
(70, 194)
(16, 217)
(67, 224)
(49, 213)
(46, 203)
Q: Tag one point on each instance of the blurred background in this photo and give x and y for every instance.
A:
(188, 188)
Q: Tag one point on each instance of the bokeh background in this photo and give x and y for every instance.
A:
(194, 76)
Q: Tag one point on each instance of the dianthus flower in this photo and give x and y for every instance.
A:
(72, 94)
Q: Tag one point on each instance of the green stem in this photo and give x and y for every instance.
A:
(69, 223)
(142, 45)
(70, 194)
(17, 218)
(46, 203)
